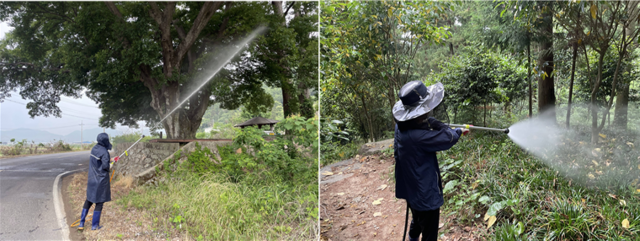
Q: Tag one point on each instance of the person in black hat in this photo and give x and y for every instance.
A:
(417, 139)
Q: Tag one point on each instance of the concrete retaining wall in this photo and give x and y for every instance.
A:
(142, 156)
(148, 175)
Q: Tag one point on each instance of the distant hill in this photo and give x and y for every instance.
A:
(88, 135)
(41, 136)
(29, 134)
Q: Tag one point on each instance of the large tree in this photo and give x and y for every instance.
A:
(140, 60)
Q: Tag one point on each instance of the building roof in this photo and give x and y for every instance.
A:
(257, 121)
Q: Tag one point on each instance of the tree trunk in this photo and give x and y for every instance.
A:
(622, 103)
(573, 71)
(484, 118)
(620, 118)
(306, 109)
(529, 78)
(165, 95)
(284, 85)
(594, 108)
(546, 93)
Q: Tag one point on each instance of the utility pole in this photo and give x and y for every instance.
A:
(81, 143)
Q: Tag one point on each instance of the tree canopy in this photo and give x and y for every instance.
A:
(139, 60)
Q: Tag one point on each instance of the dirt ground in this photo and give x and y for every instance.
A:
(349, 211)
(118, 223)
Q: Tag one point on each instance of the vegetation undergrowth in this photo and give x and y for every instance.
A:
(23, 147)
(338, 142)
(256, 190)
(490, 179)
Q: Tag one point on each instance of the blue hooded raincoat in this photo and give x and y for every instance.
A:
(418, 177)
(98, 188)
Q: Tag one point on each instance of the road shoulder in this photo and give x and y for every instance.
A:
(69, 208)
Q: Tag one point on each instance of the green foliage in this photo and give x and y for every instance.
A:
(16, 149)
(490, 175)
(212, 206)
(480, 79)
(287, 157)
(336, 142)
(114, 51)
(368, 53)
(61, 146)
(334, 151)
(248, 191)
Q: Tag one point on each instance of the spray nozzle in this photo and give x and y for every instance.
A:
(506, 131)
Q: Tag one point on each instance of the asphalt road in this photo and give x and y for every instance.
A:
(26, 199)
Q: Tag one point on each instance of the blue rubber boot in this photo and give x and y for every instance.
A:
(95, 223)
(83, 216)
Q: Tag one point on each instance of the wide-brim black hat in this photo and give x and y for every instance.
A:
(416, 99)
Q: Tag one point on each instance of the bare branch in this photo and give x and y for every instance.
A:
(112, 7)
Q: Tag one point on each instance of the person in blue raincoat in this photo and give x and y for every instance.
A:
(417, 139)
(98, 186)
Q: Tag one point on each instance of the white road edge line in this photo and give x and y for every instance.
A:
(58, 205)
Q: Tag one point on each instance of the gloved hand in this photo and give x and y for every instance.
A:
(465, 131)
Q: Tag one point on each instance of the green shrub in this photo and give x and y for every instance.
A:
(489, 175)
(269, 191)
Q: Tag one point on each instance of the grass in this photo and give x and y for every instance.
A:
(255, 190)
(335, 152)
(215, 208)
(488, 175)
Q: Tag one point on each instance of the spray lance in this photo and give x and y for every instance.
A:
(471, 127)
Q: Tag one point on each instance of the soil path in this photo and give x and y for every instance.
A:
(349, 195)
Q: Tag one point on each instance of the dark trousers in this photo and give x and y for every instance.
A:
(88, 204)
(425, 222)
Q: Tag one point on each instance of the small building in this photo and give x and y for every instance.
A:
(258, 121)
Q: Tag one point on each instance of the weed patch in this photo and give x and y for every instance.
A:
(256, 190)
(488, 179)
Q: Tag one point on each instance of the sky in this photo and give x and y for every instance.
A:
(14, 114)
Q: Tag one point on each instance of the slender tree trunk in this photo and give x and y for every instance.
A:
(616, 75)
(368, 115)
(285, 84)
(484, 118)
(621, 109)
(529, 78)
(546, 93)
(620, 117)
(594, 108)
(573, 71)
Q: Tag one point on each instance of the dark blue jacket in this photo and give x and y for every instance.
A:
(418, 177)
(98, 186)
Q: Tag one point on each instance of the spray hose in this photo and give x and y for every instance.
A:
(471, 127)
